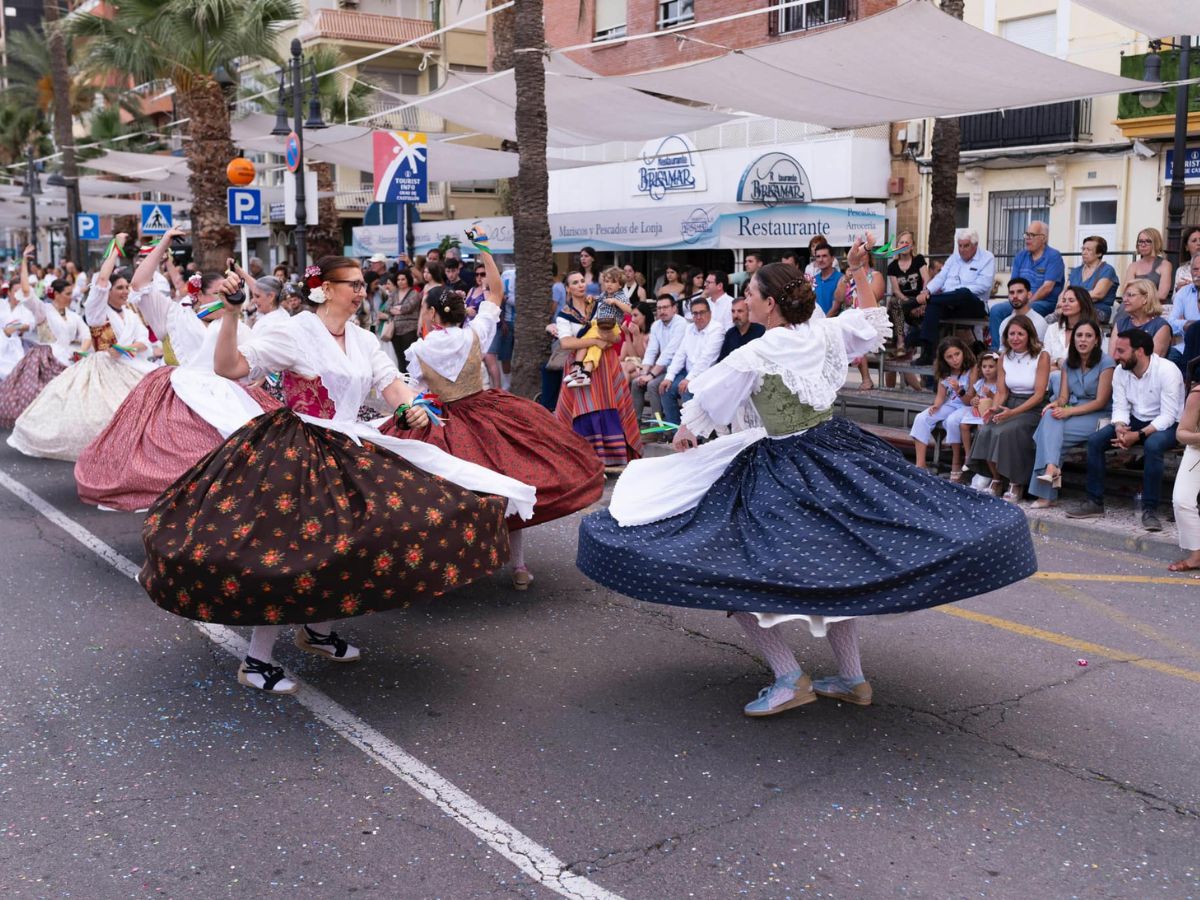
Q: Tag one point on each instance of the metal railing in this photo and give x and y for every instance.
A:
(802, 15)
(1053, 123)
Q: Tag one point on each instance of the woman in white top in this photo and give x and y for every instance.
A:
(77, 405)
(1004, 446)
(58, 334)
(176, 414)
(494, 428)
(1074, 306)
(306, 514)
(797, 514)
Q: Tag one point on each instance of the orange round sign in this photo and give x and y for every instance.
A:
(240, 171)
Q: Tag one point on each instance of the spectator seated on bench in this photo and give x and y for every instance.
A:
(953, 373)
(1147, 401)
(958, 290)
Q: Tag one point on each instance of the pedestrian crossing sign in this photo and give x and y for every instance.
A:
(156, 218)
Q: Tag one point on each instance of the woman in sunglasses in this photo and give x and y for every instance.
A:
(307, 515)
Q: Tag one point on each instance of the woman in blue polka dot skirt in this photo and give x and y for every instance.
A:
(796, 514)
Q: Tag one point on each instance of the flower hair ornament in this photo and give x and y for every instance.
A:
(312, 277)
(316, 295)
(194, 284)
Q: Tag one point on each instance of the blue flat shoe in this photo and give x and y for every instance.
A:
(838, 688)
(774, 698)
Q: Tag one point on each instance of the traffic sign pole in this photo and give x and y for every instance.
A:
(245, 251)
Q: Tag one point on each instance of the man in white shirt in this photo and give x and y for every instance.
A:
(961, 289)
(666, 334)
(1020, 297)
(721, 303)
(1147, 401)
(697, 353)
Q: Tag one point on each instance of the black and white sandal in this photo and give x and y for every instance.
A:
(330, 646)
(263, 676)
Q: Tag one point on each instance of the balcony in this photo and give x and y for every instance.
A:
(1158, 122)
(342, 25)
(1054, 123)
(414, 118)
(804, 15)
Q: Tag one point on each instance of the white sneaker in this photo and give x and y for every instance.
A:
(263, 676)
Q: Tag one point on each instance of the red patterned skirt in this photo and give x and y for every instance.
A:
(602, 413)
(153, 438)
(287, 522)
(518, 438)
(35, 370)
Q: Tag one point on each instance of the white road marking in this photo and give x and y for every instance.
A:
(536, 861)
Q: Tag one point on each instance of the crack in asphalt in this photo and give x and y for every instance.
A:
(626, 855)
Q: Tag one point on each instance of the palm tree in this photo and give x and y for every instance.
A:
(21, 125)
(342, 98)
(944, 176)
(519, 38)
(185, 42)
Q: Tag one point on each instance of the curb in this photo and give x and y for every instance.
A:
(1100, 537)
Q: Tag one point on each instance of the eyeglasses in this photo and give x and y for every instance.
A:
(1144, 241)
(356, 286)
(480, 274)
(1033, 234)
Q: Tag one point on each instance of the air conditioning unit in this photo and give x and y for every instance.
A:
(347, 4)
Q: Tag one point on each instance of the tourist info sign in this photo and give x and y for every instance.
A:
(401, 167)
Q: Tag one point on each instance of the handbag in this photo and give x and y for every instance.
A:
(388, 331)
(558, 357)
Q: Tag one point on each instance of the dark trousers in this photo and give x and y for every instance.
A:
(551, 384)
(1191, 345)
(960, 303)
(1156, 445)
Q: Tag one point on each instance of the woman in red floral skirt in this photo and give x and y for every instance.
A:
(306, 515)
(494, 428)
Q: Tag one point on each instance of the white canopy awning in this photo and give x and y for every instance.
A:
(1156, 18)
(351, 146)
(145, 166)
(582, 108)
(854, 75)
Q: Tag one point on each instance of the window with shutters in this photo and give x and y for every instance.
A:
(611, 19)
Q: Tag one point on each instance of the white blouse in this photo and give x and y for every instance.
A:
(69, 331)
(127, 325)
(811, 358)
(446, 350)
(1020, 372)
(167, 317)
(303, 345)
(1055, 343)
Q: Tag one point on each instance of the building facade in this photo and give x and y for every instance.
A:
(1097, 166)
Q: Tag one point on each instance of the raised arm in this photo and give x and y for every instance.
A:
(26, 255)
(228, 361)
(493, 284)
(143, 276)
(95, 309)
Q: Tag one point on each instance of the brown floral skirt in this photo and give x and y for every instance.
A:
(287, 522)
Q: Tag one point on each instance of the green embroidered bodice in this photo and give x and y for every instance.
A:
(781, 412)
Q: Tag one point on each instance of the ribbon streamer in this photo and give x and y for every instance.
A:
(124, 351)
(662, 426)
(112, 243)
(209, 308)
(432, 405)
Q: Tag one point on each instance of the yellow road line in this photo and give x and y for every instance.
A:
(1107, 610)
(1062, 640)
(1185, 581)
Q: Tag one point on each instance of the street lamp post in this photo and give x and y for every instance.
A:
(31, 188)
(294, 72)
(1150, 98)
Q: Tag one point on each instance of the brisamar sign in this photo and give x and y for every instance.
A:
(668, 166)
(774, 178)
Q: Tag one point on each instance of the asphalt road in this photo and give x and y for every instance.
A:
(604, 734)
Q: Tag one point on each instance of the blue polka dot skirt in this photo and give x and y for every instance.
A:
(830, 522)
